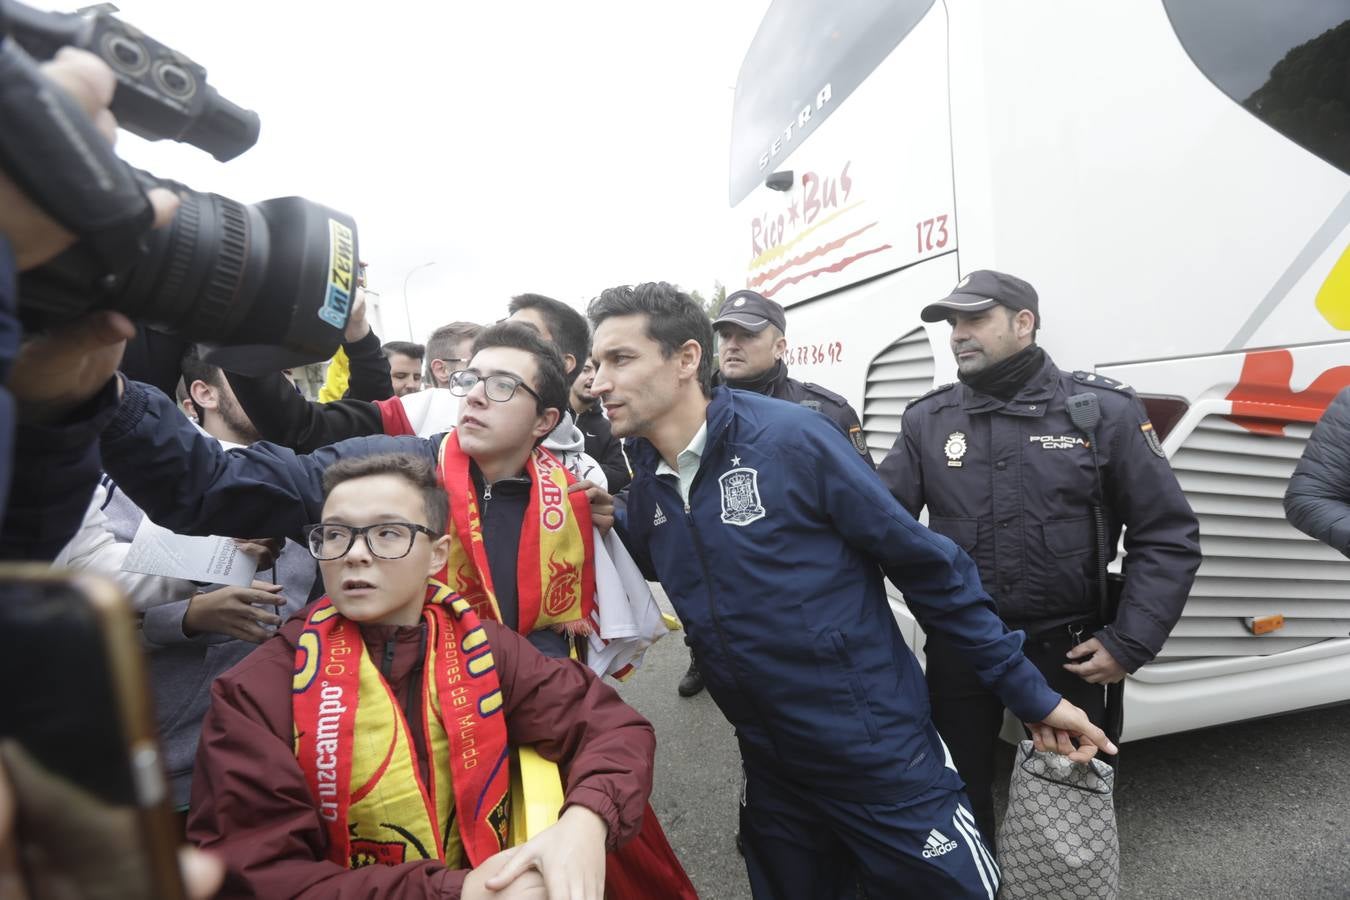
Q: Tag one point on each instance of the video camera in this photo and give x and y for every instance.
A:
(267, 286)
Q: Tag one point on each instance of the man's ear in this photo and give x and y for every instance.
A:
(1024, 323)
(440, 372)
(546, 422)
(203, 394)
(690, 354)
(440, 555)
(779, 345)
(569, 364)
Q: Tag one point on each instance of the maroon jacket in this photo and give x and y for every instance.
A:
(251, 806)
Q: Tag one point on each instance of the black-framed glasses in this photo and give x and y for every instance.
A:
(387, 540)
(500, 387)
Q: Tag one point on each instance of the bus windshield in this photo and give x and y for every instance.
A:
(806, 58)
(1284, 62)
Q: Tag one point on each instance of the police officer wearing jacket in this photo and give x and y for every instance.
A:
(751, 340)
(1005, 474)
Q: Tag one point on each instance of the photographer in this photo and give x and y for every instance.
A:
(57, 389)
(55, 450)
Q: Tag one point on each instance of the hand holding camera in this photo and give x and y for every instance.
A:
(37, 237)
(268, 286)
(58, 370)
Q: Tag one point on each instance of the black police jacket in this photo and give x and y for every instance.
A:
(1013, 482)
(776, 383)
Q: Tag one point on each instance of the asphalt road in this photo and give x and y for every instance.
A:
(1255, 810)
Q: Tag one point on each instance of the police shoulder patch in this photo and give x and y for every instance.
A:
(1092, 378)
(824, 394)
(933, 393)
(1151, 438)
(855, 434)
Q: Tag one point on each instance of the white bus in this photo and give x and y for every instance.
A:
(1171, 175)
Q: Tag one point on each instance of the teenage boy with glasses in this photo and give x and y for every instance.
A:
(284, 417)
(490, 463)
(355, 736)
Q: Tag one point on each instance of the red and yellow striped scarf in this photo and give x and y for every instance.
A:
(354, 746)
(555, 567)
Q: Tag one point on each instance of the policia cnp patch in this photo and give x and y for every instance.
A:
(1151, 438)
(855, 434)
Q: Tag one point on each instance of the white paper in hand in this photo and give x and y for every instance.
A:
(627, 617)
(214, 560)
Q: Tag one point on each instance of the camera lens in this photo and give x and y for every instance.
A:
(272, 280)
(267, 286)
(126, 54)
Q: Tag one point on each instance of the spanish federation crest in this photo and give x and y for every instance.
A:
(955, 448)
(740, 496)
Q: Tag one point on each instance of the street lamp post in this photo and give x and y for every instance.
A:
(407, 311)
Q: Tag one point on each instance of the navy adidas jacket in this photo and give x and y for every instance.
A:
(776, 570)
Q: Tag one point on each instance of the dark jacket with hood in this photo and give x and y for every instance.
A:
(1318, 499)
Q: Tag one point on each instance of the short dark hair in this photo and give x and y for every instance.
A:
(672, 319)
(407, 348)
(568, 327)
(443, 339)
(194, 368)
(416, 470)
(550, 383)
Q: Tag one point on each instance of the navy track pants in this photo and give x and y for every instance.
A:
(802, 845)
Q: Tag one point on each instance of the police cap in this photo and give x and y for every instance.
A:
(751, 311)
(982, 289)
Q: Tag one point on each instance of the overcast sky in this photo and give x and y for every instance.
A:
(524, 146)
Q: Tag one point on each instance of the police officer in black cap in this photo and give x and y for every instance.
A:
(751, 340)
(1007, 475)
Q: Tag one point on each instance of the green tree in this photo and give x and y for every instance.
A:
(713, 302)
(1307, 97)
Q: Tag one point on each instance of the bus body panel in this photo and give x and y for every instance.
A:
(1179, 243)
(1102, 168)
(853, 215)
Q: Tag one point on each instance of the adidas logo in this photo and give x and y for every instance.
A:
(938, 844)
(660, 518)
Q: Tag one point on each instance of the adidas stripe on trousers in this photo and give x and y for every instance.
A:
(802, 845)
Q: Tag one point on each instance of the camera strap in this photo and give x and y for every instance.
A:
(52, 150)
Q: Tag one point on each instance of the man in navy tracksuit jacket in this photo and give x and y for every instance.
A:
(771, 536)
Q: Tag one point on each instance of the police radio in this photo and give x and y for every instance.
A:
(1086, 414)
